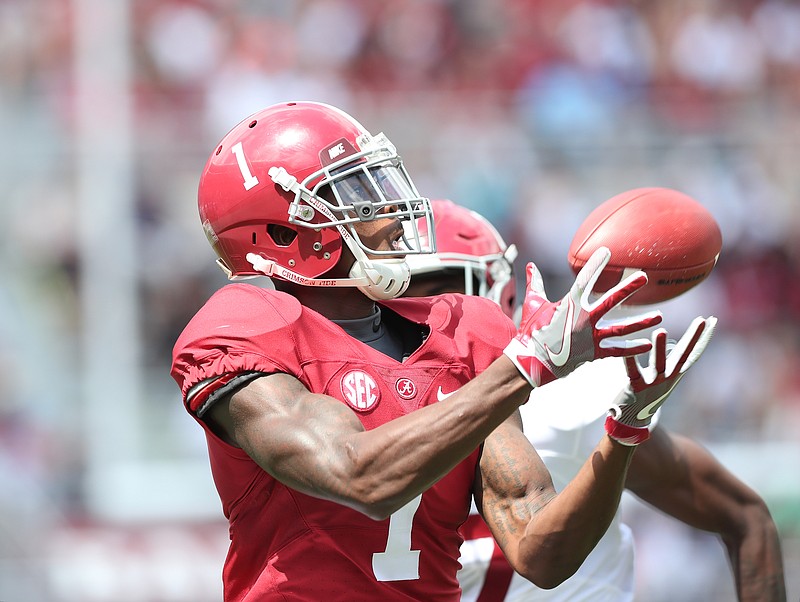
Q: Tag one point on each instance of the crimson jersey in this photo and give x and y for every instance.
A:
(287, 545)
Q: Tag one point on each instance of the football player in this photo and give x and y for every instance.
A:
(563, 422)
(348, 429)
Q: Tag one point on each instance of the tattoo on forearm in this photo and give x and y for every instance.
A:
(516, 488)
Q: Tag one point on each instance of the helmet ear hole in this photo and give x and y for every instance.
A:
(282, 236)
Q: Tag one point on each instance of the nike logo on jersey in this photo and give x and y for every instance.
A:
(564, 322)
(441, 395)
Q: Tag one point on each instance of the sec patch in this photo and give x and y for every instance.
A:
(360, 390)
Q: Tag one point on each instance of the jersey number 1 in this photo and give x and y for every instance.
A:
(399, 562)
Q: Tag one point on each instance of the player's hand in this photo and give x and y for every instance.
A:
(649, 387)
(555, 338)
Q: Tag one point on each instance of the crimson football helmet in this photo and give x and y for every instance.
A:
(283, 189)
(465, 240)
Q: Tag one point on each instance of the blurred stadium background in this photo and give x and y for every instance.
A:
(531, 112)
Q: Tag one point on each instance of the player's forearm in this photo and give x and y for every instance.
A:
(756, 558)
(682, 479)
(316, 445)
(563, 533)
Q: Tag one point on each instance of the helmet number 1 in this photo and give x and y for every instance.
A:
(249, 179)
(399, 562)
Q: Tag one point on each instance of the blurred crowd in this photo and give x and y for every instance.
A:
(529, 111)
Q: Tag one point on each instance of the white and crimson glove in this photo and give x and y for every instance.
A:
(629, 418)
(555, 338)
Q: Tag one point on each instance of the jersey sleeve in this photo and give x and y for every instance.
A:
(240, 334)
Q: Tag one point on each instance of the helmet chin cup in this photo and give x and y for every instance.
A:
(386, 278)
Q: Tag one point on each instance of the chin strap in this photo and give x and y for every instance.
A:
(377, 279)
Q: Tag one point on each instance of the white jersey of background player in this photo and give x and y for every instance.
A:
(564, 422)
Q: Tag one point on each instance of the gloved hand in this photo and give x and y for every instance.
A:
(629, 418)
(555, 338)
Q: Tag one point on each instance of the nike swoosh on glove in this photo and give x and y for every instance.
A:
(555, 338)
(629, 418)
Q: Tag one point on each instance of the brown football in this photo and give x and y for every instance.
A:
(666, 233)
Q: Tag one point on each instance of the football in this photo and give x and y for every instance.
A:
(666, 233)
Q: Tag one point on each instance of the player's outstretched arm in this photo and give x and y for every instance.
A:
(317, 445)
(561, 532)
(546, 536)
(683, 479)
